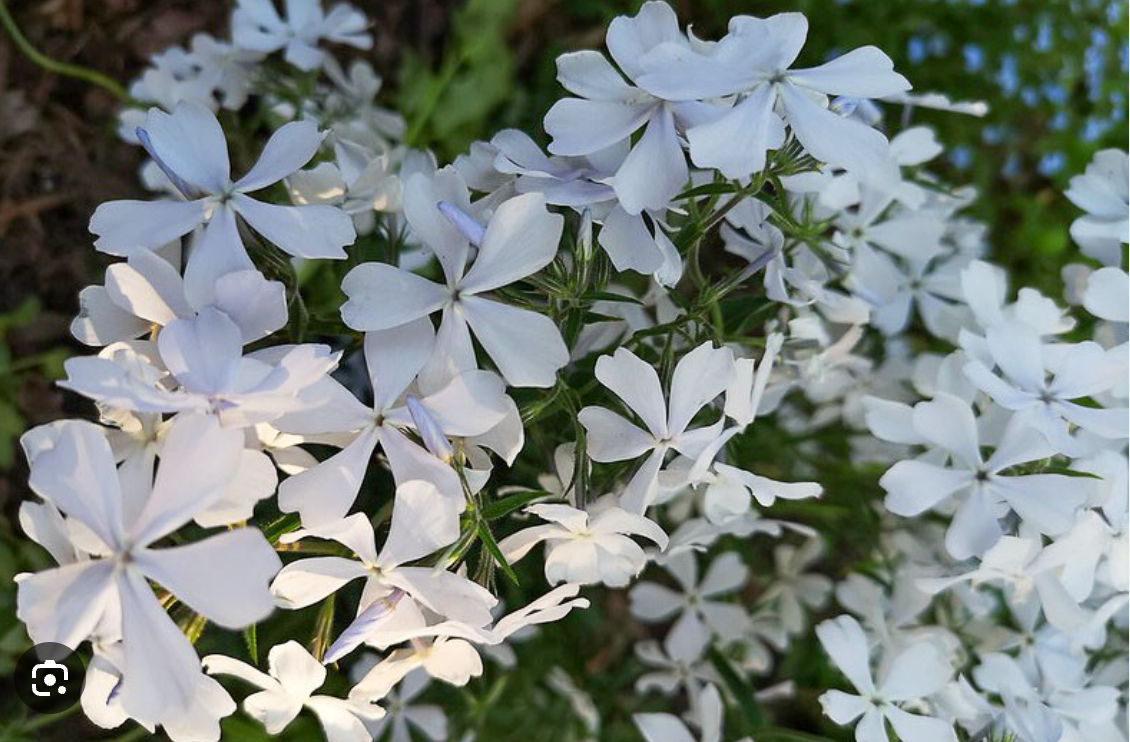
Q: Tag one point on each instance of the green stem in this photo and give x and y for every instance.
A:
(54, 65)
(46, 720)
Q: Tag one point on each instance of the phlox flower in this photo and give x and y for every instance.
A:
(469, 404)
(609, 109)
(699, 603)
(894, 290)
(404, 715)
(699, 377)
(288, 686)
(752, 63)
(223, 577)
(1085, 709)
(912, 234)
(794, 588)
(198, 365)
(796, 276)
(678, 663)
(1107, 294)
(257, 25)
(1049, 405)
(190, 148)
(391, 586)
(985, 290)
(1102, 191)
(520, 239)
(586, 547)
(634, 242)
(448, 650)
(1022, 564)
(146, 293)
(1046, 502)
(915, 673)
(670, 728)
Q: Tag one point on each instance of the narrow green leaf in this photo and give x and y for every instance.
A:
(323, 629)
(492, 547)
(742, 691)
(251, 638)
(1065, 471)
(507, 505)
(709, 189)
(609, 296)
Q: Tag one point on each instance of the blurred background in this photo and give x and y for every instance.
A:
(1054, 74)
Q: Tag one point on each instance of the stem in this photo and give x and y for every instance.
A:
(53, 65)
(46, 720)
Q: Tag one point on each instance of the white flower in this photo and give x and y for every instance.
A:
(1078, 370)
(223, 577)
(633, 241)
(404, 715)
(677, 663)
(753, 61)
(793, 588)
(256, 25)
(1107, 294)
(189, 147)
(670, 728)
(699, 377)
(609, 110)
(1046, 502)
(1102, 192)
(469, 404)
(894, 290)
(451, 655)
(985, 287)
(454, 661)
(584, 547)
(147, 292)
(520, 239)
(1024, 565)
(288, 685)
(915, 235)
(391, 587)
(1086, 710)
(701, 612)
(202, 360)
(917, 672)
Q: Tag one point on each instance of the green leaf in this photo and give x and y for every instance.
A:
(507, 505)
(787, 735)
(710, 189)
(1067, 472)
(251, 638)
(609, 296)
(323, 629)
(496, 553)
(742, 691)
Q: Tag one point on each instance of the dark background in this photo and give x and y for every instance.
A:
(1054, 74)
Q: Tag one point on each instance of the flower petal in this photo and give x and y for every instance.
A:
(382, 296)
(520, 240)
(201, 574)
(655, 169)
(526, 346)
(306, 231)
(290, 147)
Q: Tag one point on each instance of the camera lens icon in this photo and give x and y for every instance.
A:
(49, 677)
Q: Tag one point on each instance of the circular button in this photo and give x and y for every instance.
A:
(49, 678)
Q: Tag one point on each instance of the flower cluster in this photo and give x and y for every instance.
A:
(670, 341)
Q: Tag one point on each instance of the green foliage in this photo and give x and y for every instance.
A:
(12, 370)
(449, 107)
